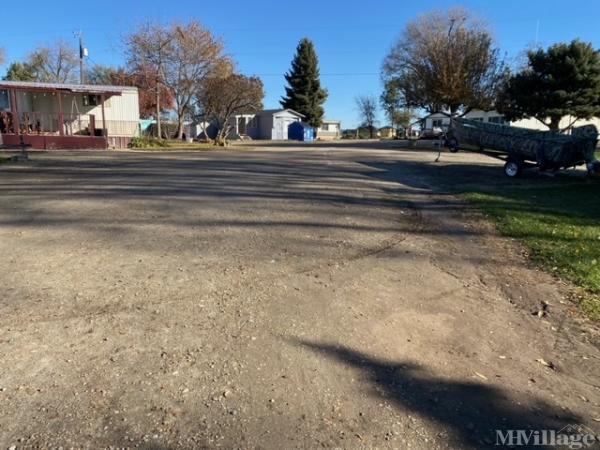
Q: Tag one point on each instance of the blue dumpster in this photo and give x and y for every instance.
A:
(301, 131)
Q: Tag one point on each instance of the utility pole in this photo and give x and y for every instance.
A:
(158, 130)
(83, 52)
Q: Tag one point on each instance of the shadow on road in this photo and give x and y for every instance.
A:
(353, 144)
(335, 187)
(471, 412)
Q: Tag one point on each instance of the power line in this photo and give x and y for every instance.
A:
(341, 74)
(269, 27)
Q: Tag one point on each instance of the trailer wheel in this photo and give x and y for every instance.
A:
(512, 168)
(452, 144)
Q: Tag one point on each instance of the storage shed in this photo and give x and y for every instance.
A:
(301, 131)
(267, 124)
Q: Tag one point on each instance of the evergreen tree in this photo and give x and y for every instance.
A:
(18, 71)
(304, 93)
(563, 80)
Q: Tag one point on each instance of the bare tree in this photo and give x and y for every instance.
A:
(100, 74)
(181, 56)
(147, 50)
(2, 56)
(445, 61)
(145, 80)
(367, 108)
(390, 100)
(195, 56)
(221, 98)
(54, 64)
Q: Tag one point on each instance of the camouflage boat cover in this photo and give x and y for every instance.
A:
(544, 147)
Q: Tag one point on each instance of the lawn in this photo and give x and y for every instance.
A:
(559, 220)
(150, 143)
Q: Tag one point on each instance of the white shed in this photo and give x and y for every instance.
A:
(270, 124)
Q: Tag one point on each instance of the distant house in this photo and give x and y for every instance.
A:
(436, 120)
(442, 121)
(349, 133)
(200, 130)
(362, 132)
(387, 132)
(68, 116)
(329, 130)
(272, 124)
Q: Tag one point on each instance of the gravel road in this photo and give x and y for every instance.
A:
(324, 296)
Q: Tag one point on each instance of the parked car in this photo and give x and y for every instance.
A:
(431, 133)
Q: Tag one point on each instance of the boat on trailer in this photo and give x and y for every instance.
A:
(521, 147)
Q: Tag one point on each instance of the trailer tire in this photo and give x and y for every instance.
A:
(452, 144)
(513, 168)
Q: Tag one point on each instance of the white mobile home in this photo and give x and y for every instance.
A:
(68, 116)
(329, 130)
(442, 121)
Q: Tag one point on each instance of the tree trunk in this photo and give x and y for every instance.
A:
(554, 124)
(221, 138)
(180, 126)
(158, 130)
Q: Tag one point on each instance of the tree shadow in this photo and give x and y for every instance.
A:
(175, 183)
(569, 195)
(470, 411)
(343, 144)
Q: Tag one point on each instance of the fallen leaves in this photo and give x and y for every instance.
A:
(545, 363)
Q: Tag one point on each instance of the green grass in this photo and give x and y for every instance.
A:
(153, 144)
(559, 221)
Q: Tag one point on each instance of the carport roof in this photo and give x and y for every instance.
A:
(75, 88)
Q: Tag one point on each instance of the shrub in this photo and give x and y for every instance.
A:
(168, 130)
(147, 142)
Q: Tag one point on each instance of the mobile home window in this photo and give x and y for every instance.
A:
(4, 103)
(436, 123)
(91, 100)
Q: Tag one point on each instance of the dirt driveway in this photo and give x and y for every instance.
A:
(274, 298)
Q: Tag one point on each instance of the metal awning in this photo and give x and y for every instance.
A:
(73, 88)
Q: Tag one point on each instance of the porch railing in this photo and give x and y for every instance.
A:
(50, 123)
(72, 124)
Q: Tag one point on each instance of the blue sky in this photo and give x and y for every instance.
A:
(351, 37)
